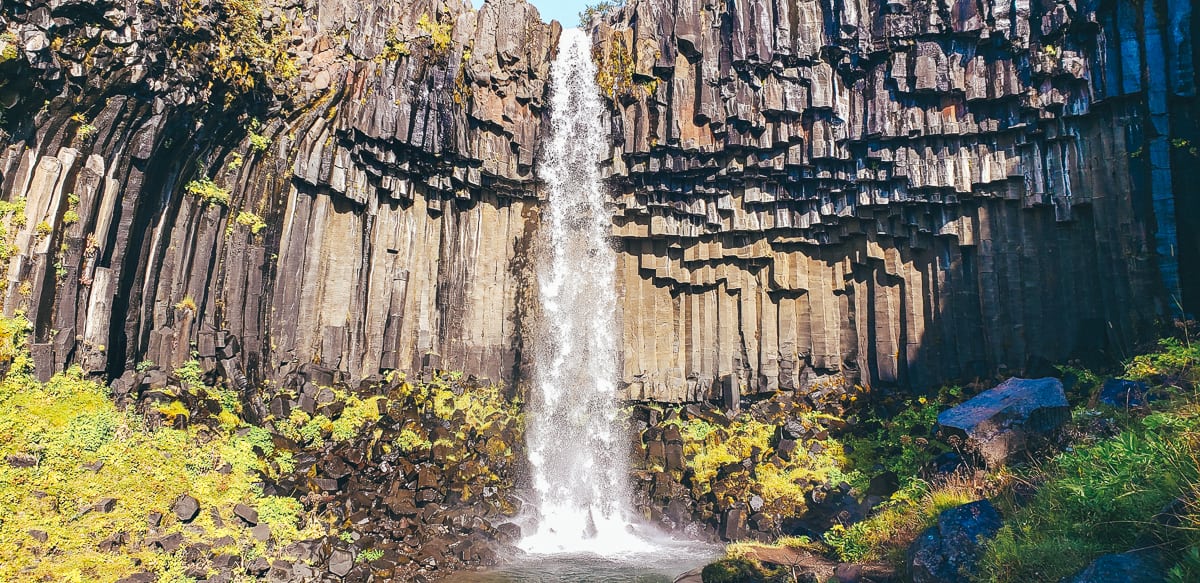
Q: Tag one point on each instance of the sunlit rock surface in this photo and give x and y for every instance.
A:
(889, 194)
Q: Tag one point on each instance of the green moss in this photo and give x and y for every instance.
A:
(742, 570)
(208, 192)
(70, 421)
(258, 142)
(437, 31)
(8, 47)
(409, 441)
(251, 221)
(238, 51)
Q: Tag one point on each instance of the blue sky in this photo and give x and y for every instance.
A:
(564, 11)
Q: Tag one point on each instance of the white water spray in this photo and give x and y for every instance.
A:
(578, 452)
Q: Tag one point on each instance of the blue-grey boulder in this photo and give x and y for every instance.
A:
(1124, 394)
(998, 422)
(1120, 568)
(949, 551)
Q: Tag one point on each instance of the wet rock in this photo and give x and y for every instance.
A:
(950, 550)
(999, 422)
(733, 524)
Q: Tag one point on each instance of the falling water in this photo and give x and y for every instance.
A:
(577, 451)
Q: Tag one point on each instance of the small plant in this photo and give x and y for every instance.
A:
(70, 217)
(258, 142)
(8, 47)
(438, 32)
(208, 192)
(369, 555)
(409, 441)
(43, 229)
(251, 221)
(346, 536)
(187, 303)
(144, 366)
(393, 46)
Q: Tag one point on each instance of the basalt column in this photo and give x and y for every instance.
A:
(894, 194)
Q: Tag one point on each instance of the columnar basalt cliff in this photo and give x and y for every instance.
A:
(272, 186)
(894, 194)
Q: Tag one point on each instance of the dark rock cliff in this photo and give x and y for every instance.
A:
(334, 183)
(894, 193)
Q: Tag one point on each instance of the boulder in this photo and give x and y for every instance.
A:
(1124, 394)
(998, 423)
(949, 551)
(1120, 568)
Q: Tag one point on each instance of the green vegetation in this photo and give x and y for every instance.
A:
(437, 31)
(43, 229)
(903, 442)
(740, 570)
(317, 430)
(369, 555)
(393, 46)
(187, 303)
(251, 221)
(258, 142)
(886, 534)
(82, 449)
(9, 50)
(602, 8)
(208, 192)
(242, 55)
(1102, 495)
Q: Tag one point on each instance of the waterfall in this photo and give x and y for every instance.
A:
(578, 452)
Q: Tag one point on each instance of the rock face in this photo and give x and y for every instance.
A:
(807, 189)
(999, 422)
(801, 190)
